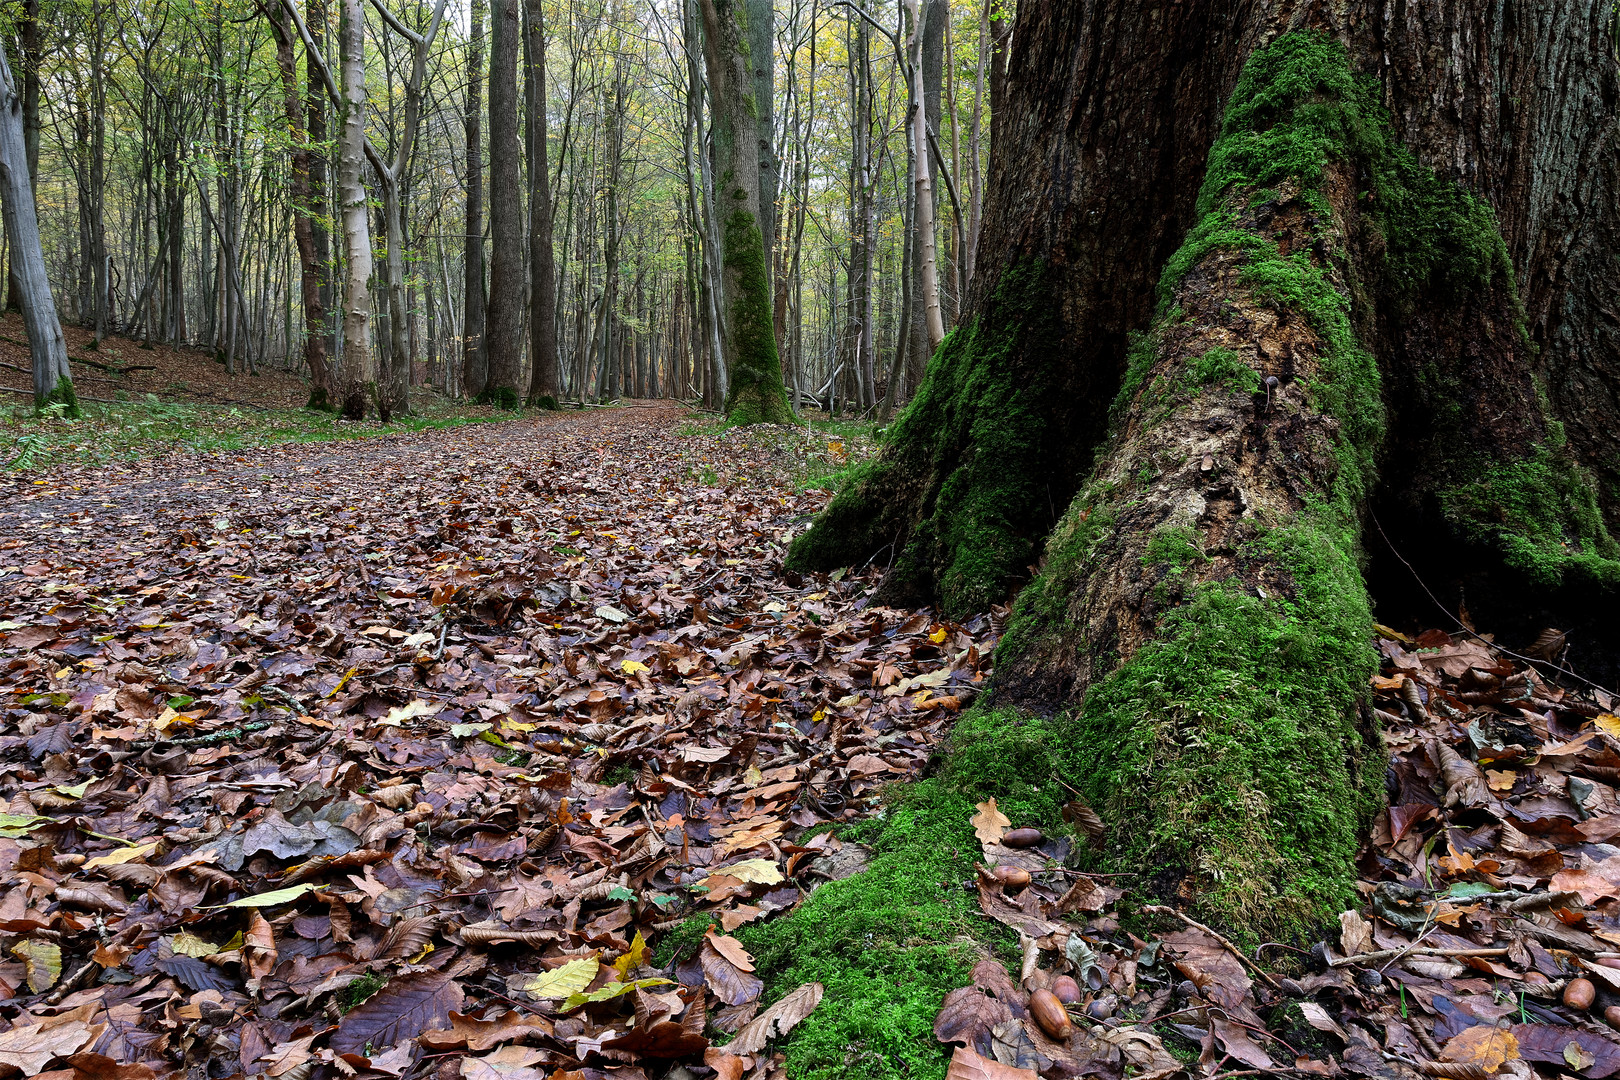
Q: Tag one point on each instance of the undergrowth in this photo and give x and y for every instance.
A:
(127, 430)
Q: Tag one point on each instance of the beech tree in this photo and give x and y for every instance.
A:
(1253, 277)
(755, 372)
(504, 318)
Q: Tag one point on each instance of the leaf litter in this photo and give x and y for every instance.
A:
(391, 758)
(1487, 943)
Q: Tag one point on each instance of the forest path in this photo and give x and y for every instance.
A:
(545, 677)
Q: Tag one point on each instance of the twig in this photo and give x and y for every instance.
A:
(1392, 954)
(1160, 909)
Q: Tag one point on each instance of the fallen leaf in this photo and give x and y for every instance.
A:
(1484, 1045)
(989, 824)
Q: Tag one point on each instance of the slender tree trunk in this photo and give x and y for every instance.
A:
(755, 373)
(1289, 249)
(930, 38)
(506, 285)
(315, 105)
(356, 378)
(545, 370)
(53, 382)
(475, 354)
(320, 375)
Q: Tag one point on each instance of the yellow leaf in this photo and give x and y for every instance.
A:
(75, 791)
(633, 667)
(1393, 635)
(274, 897)
(121, 855)
(1501, 780)
(1484, 1045)
(752, 871)
(191, 945)
(989, 823)
(419, 957)
(43, 962)
(1609, 724)
(611, 990)
(937, 636)
(572, 978)
(633, 959)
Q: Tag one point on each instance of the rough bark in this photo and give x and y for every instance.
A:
(504, 319)
(53, 382)
(545, 370)
(755, 373)
(1292, 245)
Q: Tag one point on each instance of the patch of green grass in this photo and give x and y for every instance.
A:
(114, 432)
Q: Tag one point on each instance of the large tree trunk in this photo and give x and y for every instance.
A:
(53, 382)
(545, 370)
(505, 316)
(755, 373)
(1268, 283)
(356, 379)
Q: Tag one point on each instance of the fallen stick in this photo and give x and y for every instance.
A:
(1392, 954)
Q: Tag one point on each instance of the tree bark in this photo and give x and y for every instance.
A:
(1284, 269)
(755, 373)
(545, 370)
(53, 382)
(320, 375)
(506, 286)
(356, 379)
(474, 353)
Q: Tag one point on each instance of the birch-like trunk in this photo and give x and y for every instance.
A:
(356, 380)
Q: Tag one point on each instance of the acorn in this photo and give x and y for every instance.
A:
(1612, 1015)
(1066, 989)
(1050, 1014)
(1103, 1007)
(1011, 877)
(1022, 837)
(1579, 994)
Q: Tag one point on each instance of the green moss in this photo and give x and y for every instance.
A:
(364, 987)
(756, 395)
(1223, 367)
(888, 944)
(1175, 545)
(319, 401)
(62, 399)
(1541, 513)
(547, 402)
(501, 397)
(963, 525)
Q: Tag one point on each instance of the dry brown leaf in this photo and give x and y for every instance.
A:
(777, 1020)
(1485, 1045)
(967, 1065)
(989, 824)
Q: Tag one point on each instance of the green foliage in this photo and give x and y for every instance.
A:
(757, 395)
(319, 401)
(1223, 367)
(1541, 513)
(967, 525)
(547, 402)
(61, 401)
(113, 432)
(1177, 546)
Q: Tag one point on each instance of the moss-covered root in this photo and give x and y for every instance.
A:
(965, 486)
(757, 395)
(1204, 590)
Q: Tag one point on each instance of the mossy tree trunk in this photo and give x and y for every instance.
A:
(1266, 286)
(756, 393)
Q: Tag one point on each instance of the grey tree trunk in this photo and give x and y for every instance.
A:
(474, 351)
(356, 379)
(53, 382)
(762, 62)
(545, 369)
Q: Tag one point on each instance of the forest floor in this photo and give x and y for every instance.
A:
(392, 757)
(139, 401)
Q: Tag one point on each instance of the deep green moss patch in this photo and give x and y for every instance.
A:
(1541, 514)
(962, 528)
(757, 395)
(1223, 367)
